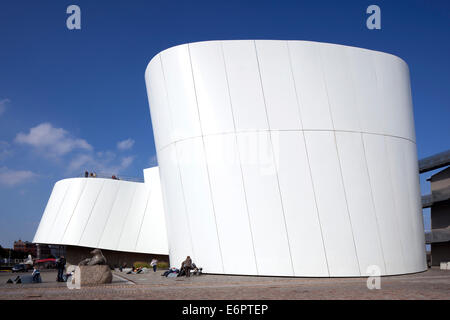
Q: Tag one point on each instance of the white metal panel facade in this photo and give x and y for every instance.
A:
(308, 149)
(106, 214)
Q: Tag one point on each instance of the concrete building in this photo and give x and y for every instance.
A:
(280, 158)
(439, 238)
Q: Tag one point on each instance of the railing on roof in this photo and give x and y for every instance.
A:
(436, 161)
(438, 196)
(111, 176)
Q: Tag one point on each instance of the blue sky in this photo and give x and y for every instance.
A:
(76, 99)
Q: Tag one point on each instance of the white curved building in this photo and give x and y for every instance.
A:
(107, 214)
(287, 158)
(282, 158)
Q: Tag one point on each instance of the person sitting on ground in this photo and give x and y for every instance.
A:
(196, 270)
(36, 275)
(187, 265)
(171, 270)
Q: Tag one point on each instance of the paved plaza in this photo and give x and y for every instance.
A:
(432, 284)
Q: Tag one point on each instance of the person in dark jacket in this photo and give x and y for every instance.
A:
(187, 266)
(61, 265)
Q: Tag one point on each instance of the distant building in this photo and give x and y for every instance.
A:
(36, 251)
(439, 238)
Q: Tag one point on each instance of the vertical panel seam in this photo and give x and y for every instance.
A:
(385, 131)
(73, 211)
(418, 215)
(126, 216)
(186, 211)
(44, 217)
(93, 206)
(298, 98)
(43, 223)
(409, 202)
(377, 81)
(239, 159)
(358, 108)
(143, 217)
(339, 160)
(69, 184)
(394, 202)
(170, 138)
(177, 162)
(204, 157)
(165, 209)
(373, 203)
(273, 159)
(109, 215)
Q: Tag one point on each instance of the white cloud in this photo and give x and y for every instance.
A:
(126, 162)
(80, 161)
(79, 155)
(125, 144)
(3, 104)
(100, 162)
(51, 141)
(11, 177)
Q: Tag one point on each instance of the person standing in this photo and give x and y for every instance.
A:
(61, 265)
(154, 264)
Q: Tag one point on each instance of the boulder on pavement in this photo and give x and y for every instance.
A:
(92, 275)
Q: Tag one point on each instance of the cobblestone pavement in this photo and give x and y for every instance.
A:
(432, 284)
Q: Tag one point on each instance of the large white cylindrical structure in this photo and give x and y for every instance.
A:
(288, 158)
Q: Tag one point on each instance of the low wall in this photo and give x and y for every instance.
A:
(440, 252)
(75, 254)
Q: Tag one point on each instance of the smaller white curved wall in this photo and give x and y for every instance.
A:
(106, 214)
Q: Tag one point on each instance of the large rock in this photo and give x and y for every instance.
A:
(92, 275)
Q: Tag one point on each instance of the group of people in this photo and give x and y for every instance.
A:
(136, 270)
(90, 174)
(187, 266)
(35, 277)
(36, 274)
